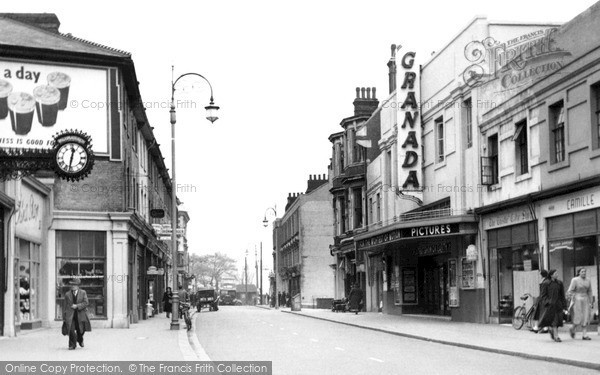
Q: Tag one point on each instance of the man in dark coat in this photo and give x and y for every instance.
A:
(75, 314)
(554, 303)
(355, 298)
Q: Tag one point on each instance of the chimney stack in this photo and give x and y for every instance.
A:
(314, 181)
(392, 70)
(365, 103)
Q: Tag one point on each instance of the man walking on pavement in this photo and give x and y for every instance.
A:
(75, 314)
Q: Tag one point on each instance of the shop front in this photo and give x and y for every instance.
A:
(514, 259)
(572, 236)
(30, 245)
(426, 270)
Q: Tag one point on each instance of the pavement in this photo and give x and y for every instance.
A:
(495, 338)
(149, 339)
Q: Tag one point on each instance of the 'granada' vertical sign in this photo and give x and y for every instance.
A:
(409, 128)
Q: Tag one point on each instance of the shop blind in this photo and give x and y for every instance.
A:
(520, 234)
(504, 237)
(492, 238)
(560, 227)
(585, 222)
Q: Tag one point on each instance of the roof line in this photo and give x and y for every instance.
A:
(65, 36)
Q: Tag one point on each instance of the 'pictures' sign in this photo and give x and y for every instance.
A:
(37, 101)
(409, 128)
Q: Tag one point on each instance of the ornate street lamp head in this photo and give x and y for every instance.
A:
(265, 222)
(211, 111)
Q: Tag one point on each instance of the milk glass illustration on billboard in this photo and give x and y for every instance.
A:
(5, 90)
(46, 104)
(57, 98)
(21, 106)
(62, 82)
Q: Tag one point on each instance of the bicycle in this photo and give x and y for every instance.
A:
(184, 310)
(522, 315)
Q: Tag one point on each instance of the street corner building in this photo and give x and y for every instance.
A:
(301, 241)
(99, 229)
(481, 167)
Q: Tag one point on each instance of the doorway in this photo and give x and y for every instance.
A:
(2, 272)
(433, 273)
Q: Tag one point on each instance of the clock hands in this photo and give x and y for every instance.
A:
(72, 154)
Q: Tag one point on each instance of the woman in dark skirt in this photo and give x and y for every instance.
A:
(168, 301)
(539, 304)
(554, 303)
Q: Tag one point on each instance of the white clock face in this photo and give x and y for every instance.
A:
(71, 157)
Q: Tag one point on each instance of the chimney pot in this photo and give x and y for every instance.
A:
(357, 92)
(374, 97)
(362, 91)
(368, 93)
(393, 51)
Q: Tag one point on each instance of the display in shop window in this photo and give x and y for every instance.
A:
(409, 285)
(453, 300)
(467, 274)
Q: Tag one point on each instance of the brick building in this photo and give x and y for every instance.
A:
(98, 229)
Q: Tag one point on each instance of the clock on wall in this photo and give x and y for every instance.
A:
(73, 158)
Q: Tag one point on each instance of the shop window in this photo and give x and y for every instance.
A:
(29, 281)
(81, 254)
(566, 256)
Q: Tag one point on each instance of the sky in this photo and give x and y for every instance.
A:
(284, 75)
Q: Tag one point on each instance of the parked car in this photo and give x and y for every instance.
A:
(207, 298)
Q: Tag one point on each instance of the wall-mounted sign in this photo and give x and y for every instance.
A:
(467, 279)
(413, 232)
(39, 100)
(157, 213)
(30, 213)
(435, 248)
(409, 128)
(507, 217)
(453, 298)
(471, 252)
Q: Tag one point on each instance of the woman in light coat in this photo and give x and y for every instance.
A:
(580, 292)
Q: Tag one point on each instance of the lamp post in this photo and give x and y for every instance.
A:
(266, 224)
(246, 276)
(211, 115)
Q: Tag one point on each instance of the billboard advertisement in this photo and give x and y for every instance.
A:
(38, 100)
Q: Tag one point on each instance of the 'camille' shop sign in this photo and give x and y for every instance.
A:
(407, 233)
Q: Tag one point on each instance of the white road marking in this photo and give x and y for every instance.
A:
(295, 333)
(338, 348)
(314, 340)
(375, 359)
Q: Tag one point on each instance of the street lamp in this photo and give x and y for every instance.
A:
(211, 115)
(246, 276)
(266, 224)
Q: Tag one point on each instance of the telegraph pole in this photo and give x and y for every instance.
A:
(261, 276)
